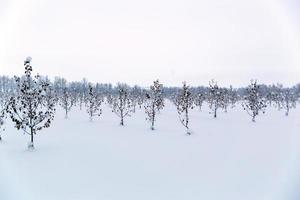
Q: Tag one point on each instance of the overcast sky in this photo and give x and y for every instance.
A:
(137, 41)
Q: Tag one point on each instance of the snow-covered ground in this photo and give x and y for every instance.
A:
(228, 158)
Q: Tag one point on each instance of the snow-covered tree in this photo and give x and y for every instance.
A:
(233, 96)
(226, 99)
(289, 100)
(59, 84)
(50, 95)
(29, 109)
(2, 118)
(199, 99)
(82, 92)
(121, 103)
(270, 97)
(4, 99)
(184, 102)
(215, 97)
(109, 99)
(66, 101)
(136, 96)
(254, 102)
(7, 85)
(154, 102)
(93, 103)
(141, 98)
(273, 95)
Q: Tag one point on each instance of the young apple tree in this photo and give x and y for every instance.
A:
(215, 97)
(29, 109)
(226, 99)
(121, 103)
(154, 102)
(50, 95)
(254, 103)
(289, 100)
(136, 96)
(66, 101)
(82, 92)
(93, 103)
(184, 102)
(199, 99)
(233, 96)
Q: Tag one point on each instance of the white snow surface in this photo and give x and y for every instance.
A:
(228, 158)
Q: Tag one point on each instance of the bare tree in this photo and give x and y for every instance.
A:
(93, 103)
(121, 103)
(136, 95)
(254, 103)
(215, 97)
(82, 92)
(50, 96)
(66, 101)
(225, 99)
(199, 99)
(154, 102)
(184, 102)
(29, 109)
(289, 100)
(233, 96)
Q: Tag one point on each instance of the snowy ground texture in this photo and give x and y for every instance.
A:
(228, 158)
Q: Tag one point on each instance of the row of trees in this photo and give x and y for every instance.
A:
(30, 101)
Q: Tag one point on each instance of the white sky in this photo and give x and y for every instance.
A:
(137, 41)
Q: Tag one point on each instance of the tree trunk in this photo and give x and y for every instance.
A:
(215, 113)
(30, 145)
(153, 117)
(287, 111)
(66, 115)
(187, 121)
(122, 118)
(152, 124)
(31, 135)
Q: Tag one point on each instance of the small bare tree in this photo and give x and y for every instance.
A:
(225, 99)
(154, 102)
(289, 100)
(50, 95)
(184, 102)
(199, 99)
(136, 95)
(215, 97)
(253, 101)
(233, 96)
(122, 104)
(93, 103)
(66, 101)
(29, 109)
